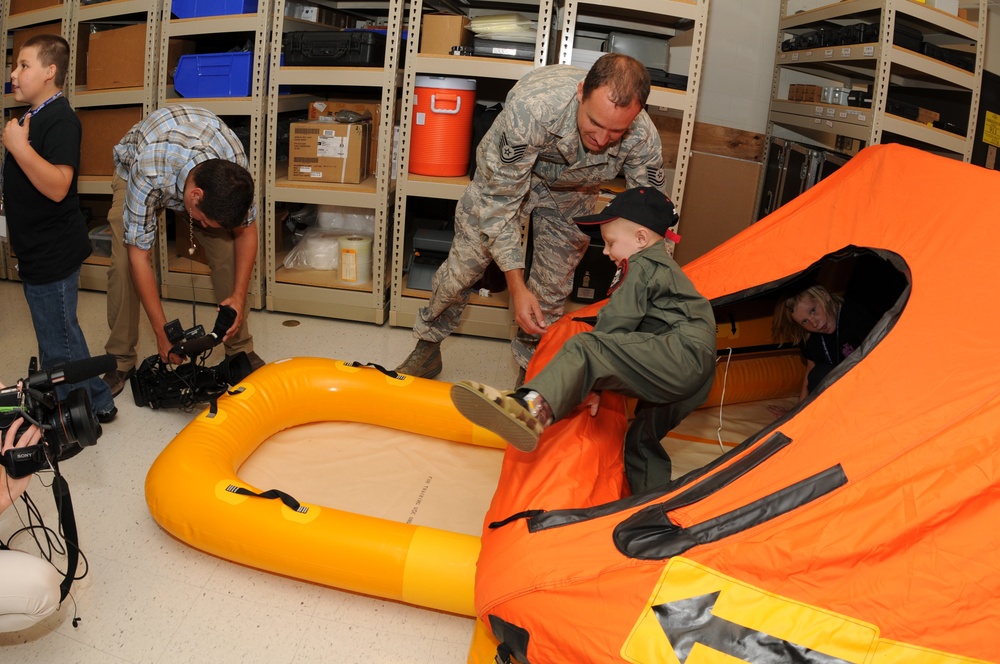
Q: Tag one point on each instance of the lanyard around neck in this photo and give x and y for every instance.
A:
(31, 113)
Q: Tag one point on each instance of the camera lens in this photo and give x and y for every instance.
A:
(73, 423)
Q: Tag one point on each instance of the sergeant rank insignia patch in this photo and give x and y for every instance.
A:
(511, 153)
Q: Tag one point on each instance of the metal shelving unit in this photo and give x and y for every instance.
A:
(557, 26)
(887, 67)
(490, 317)
(181, 277)
(321, 292)
(93, 273)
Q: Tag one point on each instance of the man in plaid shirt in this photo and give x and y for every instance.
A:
(186, 159)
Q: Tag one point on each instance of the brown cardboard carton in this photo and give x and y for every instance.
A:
(21, 6)
(326, 109)
(102, 129)
(175, 49)
(329, 151)
(439, 32)
(117, 58)
(22, 35)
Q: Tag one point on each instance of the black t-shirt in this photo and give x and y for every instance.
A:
(853, 325)
(49, 238)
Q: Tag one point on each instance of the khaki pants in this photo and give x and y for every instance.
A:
(123, 302)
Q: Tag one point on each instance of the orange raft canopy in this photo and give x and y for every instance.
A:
(861, 527)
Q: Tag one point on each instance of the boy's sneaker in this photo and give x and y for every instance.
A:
(503, 413)
(424, 361)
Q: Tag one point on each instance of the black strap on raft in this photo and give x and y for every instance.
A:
(388, 372)
(270, 494)
(527, 514)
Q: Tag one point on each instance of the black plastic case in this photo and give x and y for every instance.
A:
(334, 48)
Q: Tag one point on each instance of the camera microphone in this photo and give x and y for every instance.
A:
(193, 347)
(71, 372)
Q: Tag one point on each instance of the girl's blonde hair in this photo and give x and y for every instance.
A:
(786, 329)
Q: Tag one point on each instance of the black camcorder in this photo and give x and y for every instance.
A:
(158, 384)
(67, 425)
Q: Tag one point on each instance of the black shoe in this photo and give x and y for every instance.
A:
(116, 380)
(109, 416)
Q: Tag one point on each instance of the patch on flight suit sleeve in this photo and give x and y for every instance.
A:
(619, 277)
(512, 153)
(655, 176)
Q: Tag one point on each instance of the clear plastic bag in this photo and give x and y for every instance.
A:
(346, 219)
(319, 249)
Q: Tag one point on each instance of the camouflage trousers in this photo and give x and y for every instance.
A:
(558, 246)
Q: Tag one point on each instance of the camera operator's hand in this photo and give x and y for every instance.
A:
(11, 489)
(237, 306)
(163, 347)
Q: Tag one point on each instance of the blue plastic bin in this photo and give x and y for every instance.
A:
(214, 75)
(198, 8)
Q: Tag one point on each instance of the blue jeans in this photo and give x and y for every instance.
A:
(60, 339)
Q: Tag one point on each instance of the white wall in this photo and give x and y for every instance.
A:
(739, 64)
(992, 63)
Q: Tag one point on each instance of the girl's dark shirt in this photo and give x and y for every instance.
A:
(854, 324)
(49, 238)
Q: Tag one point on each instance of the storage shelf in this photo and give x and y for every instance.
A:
(110, 9)
(83, 98)
(323, 301)
(210, 25)
(493, 317)
(888, 68)
(315, 292)
(93, 184)
(361, 77)
(37, 17)
(472, 66)
(433, 187)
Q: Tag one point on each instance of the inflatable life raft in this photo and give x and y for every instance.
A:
(859, 528)
(194, 493)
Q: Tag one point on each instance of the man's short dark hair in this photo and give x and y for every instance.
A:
(228, 191)
(626, 78)
(52, 50)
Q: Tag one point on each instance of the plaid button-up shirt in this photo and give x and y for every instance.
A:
(156, 156)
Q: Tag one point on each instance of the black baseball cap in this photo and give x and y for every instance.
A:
(646, 206)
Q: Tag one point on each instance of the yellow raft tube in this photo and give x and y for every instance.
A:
(190, 487)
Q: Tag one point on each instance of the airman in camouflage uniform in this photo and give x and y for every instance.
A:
(544, 158)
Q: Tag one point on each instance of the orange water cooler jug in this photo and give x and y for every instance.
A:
(442, 125)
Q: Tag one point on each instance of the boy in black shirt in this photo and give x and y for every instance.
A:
(47, 229)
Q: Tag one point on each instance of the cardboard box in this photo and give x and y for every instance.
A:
(22, 35)
(439, 32)
(329, 151)
(117, 58)
(21, 6)
(325, 110)
(175, 49)
(102, 129)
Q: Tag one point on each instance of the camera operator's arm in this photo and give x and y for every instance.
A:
(245, 248)
(146, 287)
(11, 489)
